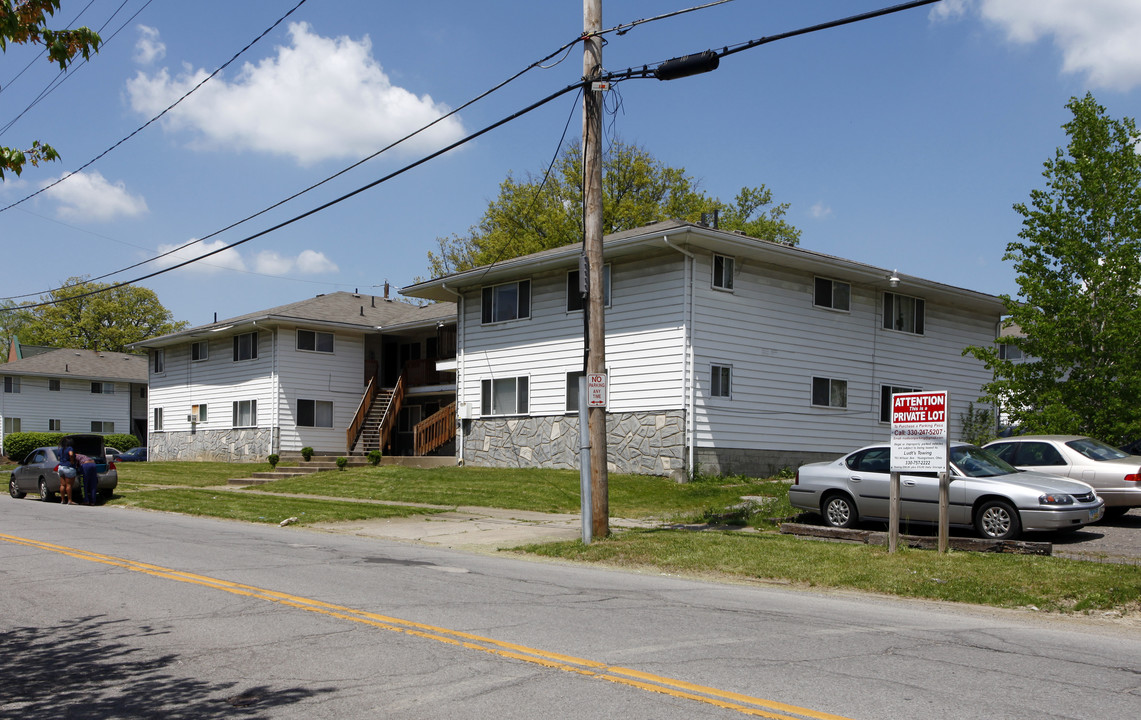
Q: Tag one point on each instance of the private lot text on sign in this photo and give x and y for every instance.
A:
(919, 432)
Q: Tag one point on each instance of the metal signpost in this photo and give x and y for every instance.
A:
(919, 443)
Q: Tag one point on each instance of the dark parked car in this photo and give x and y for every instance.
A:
(138, 454)
(36, 472)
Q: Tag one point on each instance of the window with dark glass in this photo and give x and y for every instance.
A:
(574, 297)
(246, 346)
(902, 313)
(829, 392)
(832, 294)
(510, 301)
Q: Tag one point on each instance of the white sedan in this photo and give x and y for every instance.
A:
(1115, 475)
(986, 493)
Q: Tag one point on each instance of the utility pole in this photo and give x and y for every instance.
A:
(592, 249)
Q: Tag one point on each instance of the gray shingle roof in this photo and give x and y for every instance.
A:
(87, 364)
(366, 312)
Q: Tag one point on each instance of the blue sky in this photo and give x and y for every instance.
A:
(901, 141)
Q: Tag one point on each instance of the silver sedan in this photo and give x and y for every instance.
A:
(1115, 475)
(986, 493)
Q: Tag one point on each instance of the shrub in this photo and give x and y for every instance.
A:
(18, 445)
(342, 462)
(272, 460)
(307, 453)
(374, 457)
(122, 441)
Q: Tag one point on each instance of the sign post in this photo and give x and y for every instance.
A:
(919, 443)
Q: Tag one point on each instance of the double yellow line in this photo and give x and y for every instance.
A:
(625, 676)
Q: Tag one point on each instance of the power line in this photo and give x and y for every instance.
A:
(170, 107)
(537, 64)
(319, 208)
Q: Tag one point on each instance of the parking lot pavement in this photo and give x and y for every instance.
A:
(1117, 540)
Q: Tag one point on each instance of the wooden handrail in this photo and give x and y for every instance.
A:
(388, 422)
(435, 430)
(354, 430)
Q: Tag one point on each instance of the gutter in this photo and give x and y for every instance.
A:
(689, 399)
(459, 365)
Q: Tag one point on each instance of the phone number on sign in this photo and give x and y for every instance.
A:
(918, 432)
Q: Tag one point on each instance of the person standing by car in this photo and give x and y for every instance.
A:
(90, 475)
(67, 473)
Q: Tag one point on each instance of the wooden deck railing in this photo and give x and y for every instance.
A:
(354, 430)
(435, 430)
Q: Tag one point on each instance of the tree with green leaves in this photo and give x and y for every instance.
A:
(25, 22)
(74, 317)
(543, 212)
(1079, 277)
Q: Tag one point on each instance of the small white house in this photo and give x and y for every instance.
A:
(340, 373)
(724, 353)
(74, 391)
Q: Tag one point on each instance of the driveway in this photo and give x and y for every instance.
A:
(1116, 540)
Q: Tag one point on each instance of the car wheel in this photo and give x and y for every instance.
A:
(839, 511)
(13, 490)
(997, 520)
(45, 494)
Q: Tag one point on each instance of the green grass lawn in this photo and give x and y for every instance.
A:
(989, 579)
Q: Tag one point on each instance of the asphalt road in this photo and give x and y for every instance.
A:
(121, 613)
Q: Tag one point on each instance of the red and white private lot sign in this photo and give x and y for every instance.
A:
(919, 432)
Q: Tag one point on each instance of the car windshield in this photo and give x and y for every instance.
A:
(1096, 449)
(975, 462)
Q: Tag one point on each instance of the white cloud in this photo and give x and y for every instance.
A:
(820, 211)
(1097, 38)
(90, 196)
(149, 48)
(308, 262)
(318, 98)
(225, 260)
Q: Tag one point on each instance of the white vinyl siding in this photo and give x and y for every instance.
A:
(336, 378)
(73, 404)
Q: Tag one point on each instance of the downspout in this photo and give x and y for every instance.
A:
(459, 365)
(690, 398)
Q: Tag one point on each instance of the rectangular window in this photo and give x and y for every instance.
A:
(827, 392)
(572, 389)
(886, 392)
(103, 388)
(158, 361)
(721, 381)
(505, 396)
(11, 384)
(723, 272)
(100, 426)
(574, 297)
(53, 385)
(511, 301)
(198, 413)
(902, 313)
(157, 419)
(200, 351)
(11, 425)
(315, 341)
(832, 294)
(314, 413)
(245, 413)
(246, 346)
(55, 425)
(1009, 352)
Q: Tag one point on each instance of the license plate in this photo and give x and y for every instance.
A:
(1095, 515)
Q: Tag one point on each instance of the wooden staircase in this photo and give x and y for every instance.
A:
(369, 438)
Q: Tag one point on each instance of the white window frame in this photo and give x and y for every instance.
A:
(834, 384)
(721, 380)
(315, 410)
(158, 362)
(12, 384)
(54, 385)
(830, 302)
(157, 421)
(886, 391)
(102, 388)
(200, 351)
(103, 427)
(722, 277)
(55, 425)
(488, 399)
(252, 350)
(241, 408)
(492, 306)
(316, 336)
(572, 377)
(575, 301)
(198, 413)
(12, 425)
(892, 318)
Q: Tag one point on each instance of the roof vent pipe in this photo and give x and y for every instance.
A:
(385, 289)
(362, 310)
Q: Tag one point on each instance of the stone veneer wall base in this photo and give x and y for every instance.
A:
(230, 445)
